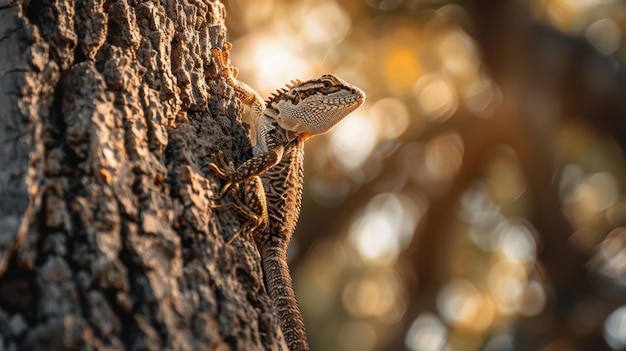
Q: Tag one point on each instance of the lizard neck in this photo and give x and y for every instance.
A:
(270, 111)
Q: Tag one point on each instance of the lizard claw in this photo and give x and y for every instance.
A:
(222, 59)
(223, 170)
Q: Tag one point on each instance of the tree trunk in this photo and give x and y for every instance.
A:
(109, 113)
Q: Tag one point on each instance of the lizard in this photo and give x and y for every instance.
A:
(272, 179)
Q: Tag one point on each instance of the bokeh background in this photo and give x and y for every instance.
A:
(476, 200)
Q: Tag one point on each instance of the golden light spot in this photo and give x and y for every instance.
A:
(373, 297)
(505, 179)
(482, 97)
(615, 329)
(444, 156)
(458, 54)
(352, 141)
(427, 333)
(436, 97)
(253, 12)
(463, 306)
(390, 117)
(517, 243)
(562, 13)
(401, 68)
(265, 62)
(610, 259)
(325, 23)
(457, 301)
(533, 299)
(595, 193)
(507, 283)
(394, 313)
(375, 237)
(573, 15)
(360, 298)
(604, 35)
(385, 225)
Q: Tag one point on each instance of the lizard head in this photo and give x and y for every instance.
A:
(315, 106)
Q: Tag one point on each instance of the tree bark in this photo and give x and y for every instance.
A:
(109, 112)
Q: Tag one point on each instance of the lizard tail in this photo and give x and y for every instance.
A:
(280, 288)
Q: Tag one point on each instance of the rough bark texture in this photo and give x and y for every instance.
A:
(109, 113)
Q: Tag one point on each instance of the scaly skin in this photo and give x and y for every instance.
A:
(273, 177)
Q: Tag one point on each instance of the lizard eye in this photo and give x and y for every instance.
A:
(326, 85)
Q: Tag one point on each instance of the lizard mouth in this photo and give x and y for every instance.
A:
(361, 100)
(353, 98)
(360, 96)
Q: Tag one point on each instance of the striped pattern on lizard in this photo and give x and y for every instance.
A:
(272, 179)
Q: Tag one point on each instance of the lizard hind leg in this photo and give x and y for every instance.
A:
(224, 170)
(252, 219)
(253, 209)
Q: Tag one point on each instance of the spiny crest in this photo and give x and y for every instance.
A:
(278, 94)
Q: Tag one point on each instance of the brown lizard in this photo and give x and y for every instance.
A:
(272, 205)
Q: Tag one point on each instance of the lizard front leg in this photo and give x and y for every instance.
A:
(254, 204)
(253, 167)
(252, 208)
(244, 92)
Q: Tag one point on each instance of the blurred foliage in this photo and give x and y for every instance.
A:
(476, 201)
